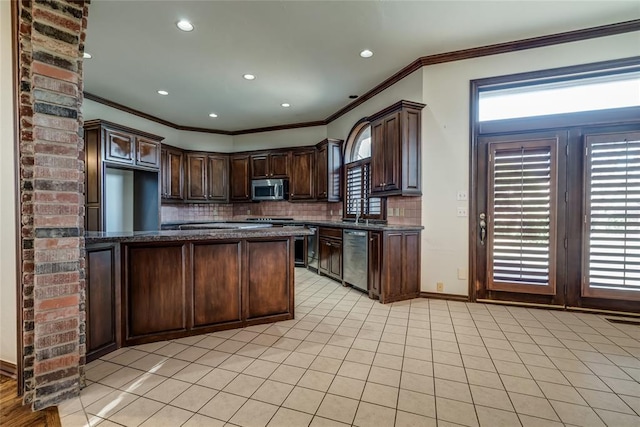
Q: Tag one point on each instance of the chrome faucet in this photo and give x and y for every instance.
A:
(361, 200)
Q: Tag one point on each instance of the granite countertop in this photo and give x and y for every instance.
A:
(182, 235)
(336, 224)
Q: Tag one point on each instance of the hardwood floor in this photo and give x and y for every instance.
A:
(13, 414)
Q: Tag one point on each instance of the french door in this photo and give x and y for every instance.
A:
(557, 217)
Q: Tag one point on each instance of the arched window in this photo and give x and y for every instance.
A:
(357, 202)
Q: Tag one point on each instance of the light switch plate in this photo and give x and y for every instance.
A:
(462, 274)
(462, 196)
(462, 211)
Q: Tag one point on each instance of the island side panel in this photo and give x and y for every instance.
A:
(270, 280)
(216, 283)
(156, 290)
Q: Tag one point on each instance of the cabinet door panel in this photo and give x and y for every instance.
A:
(147, 153)
(155, 290)
(394, 269)
(335, 269)
(164, 172)
(268, 278)
(377, 157)
(279, 165)
(239, 182)
(375, 260)
(119, 147)
(175, 176)
(101, 300)
(196, 177)
(216, 283)
(411, 256)
(392, 152)
(218, 175)
(302, 175)
(322, 159)
(260, 167)
(334, 176)
(324, 256)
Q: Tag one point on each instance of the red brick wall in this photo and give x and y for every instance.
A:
(51, 157)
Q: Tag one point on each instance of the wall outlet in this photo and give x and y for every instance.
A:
(462, 195)
(248, 211)
(440, 287)
(401, 211)
(462, 211)
(462, 274)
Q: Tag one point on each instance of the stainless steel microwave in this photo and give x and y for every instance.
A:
(269, 189)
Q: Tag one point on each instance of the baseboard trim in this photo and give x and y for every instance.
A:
(8, 369)
(520, 304)
(440, 295)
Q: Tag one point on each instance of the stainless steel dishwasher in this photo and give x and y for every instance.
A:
(355, 258)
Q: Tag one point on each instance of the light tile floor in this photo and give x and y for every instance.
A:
(349, 360)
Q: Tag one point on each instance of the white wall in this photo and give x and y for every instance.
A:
(8, 280)
(118, 194)
(446, 143)
(280, 138)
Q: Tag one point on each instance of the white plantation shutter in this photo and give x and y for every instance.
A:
(522, 216)
(612, 220)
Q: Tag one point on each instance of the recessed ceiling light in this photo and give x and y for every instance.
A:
(249, 77)
(185, 25)
(366, 53)
(86, 55)
(214, 115)
(286, 104)
(163, 92)
(353, 96)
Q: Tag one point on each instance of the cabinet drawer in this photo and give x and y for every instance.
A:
(335, 233)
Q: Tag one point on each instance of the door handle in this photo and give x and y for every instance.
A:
(483, 228)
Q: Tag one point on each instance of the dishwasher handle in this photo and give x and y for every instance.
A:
(356, 233)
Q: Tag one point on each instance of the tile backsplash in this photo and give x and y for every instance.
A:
(400, 211)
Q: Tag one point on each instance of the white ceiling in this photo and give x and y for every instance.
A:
(305, 53)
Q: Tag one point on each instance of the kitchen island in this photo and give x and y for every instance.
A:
(150, 286)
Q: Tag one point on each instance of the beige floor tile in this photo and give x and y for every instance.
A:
(576, 414)
(617, 419)
(275, 355)
(77, 419)
(287, 374)
(358, 371)
(374, 415)
(217, 378)
(338, 408)
(347, 387)
(303, 399)
(533, 406)
(236, 363)
(192, 373)
(380, 394)
(194, 398)
(326, 364)
(94, 392)
(110, 404)
(191, 354)
(128, 357)
(213, 358)
(456, 412)
(360, 356)
(273, 392)
(244, 385)
(252, 350)
(529, 421)
(168, 416)
(491, 417)
(316, 380)
(628, 388)
(491, 397)
(171, 349)
(521, 385)
(121, 377)
(448, 372)
(287, 417)
(453, 390)
(137, 412)
(385, 376)
(515, 369)
(417, 403)
(222, 406)
(325, 422)
(254, 414)
(562, 393)
(198, 420)
(261, 368)
(417, 382)
(209, 342)
(300, 360)
(70, 406)
(603, 400)
(167, 391)
(362, 344)
(406, 419)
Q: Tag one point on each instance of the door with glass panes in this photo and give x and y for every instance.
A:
(558, 217)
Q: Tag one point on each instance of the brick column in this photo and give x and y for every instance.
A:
(51, 42)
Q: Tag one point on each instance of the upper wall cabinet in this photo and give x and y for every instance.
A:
(239, 178)
(127, 146)
(270, 165)
(172, 173)
(207, 177)
(302, 178)
(395, 150)
(328, 168)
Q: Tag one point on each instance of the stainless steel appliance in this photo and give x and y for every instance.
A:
(312, 249)
(355, 258)
(269, 189)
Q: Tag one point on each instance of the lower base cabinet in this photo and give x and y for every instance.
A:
(394, 265)
(330, 252)
(268, 291)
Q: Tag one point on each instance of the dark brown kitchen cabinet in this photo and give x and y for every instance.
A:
(172, 173)
(216, 285)
(239, 181)
(394, 265)
(328, 168)
(102, 299)
(109, 146)
(330, 252)
(301, 183)
(270, 165)
(207, 177)
(395, 150)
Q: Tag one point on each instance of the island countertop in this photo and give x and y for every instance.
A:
(189, 235)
